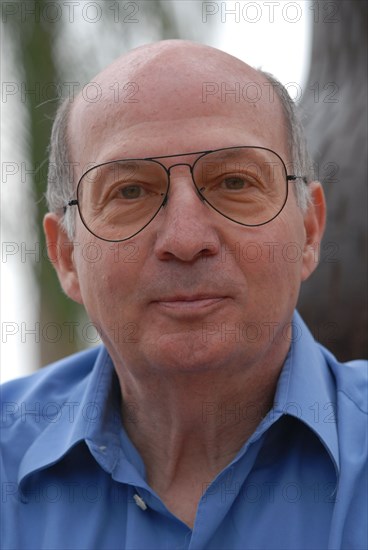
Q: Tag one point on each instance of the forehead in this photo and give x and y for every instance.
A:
(174, 100)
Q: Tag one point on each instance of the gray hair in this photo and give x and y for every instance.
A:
(60, 181)
(301, 162)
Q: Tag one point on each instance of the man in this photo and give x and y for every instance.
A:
(209, 418)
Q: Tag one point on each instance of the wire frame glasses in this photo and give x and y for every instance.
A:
(118, 199)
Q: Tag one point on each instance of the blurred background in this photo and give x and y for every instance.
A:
(50, 49)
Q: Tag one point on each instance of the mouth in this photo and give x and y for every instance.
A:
(183, 304)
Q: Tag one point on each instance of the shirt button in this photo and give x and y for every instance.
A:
(140, 502)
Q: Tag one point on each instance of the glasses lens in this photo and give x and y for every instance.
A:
(246, 184)
(118, 199)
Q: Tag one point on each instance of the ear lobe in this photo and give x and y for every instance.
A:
(60, 250)
(314, 224)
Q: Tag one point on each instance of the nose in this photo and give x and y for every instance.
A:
(186, 228)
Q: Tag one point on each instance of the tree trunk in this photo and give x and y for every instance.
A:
(334, 106)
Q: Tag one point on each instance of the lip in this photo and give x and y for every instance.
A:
(188, 297)
(189, 304)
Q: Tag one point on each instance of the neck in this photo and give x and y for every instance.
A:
(196, 415)
(189, 426)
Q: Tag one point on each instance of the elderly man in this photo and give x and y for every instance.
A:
(209, 417)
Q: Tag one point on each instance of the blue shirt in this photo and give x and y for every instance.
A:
(71, 478)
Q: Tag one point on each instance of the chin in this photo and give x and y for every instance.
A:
(190, 352)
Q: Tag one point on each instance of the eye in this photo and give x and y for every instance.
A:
(131, 192)
(234, 183)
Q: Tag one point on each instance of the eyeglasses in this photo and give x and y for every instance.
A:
(118, 199)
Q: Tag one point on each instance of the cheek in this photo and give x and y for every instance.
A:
(107, 273)
(272, 263)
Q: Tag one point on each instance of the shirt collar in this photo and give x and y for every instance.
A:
(84, 413)
(306, 389)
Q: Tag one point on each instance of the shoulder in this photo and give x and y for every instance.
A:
(351, 505)
(42, 403)
(50, 382)
(31, 403)
(351, 406)
(351, 379)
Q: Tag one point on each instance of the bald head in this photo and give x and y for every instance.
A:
(168, 63)
(169, 59)
(169, 86)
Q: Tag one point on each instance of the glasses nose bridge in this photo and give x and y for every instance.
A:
(190, 166)
(168, 170)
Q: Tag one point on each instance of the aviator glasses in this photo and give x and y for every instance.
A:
(247, 185)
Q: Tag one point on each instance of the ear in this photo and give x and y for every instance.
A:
(60, 250)
(314, 224)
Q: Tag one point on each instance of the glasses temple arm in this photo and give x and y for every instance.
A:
(70, 203)
(293, 178)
